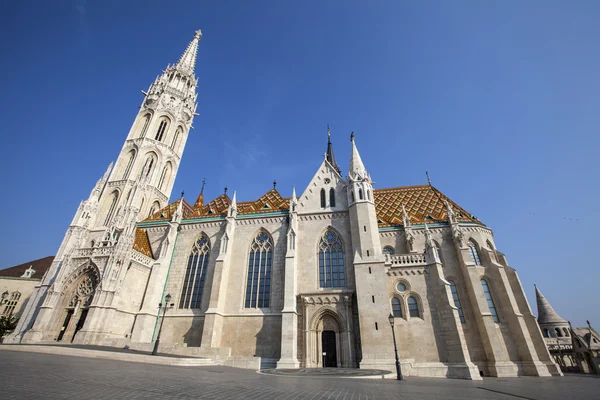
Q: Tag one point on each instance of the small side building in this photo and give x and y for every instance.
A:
(19, 282)
(573, 349)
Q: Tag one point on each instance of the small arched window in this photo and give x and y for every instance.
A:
(92, 243)
(331, 197)
(331, 260)
(396, 307)
(155, 207)
(145, 125)
(148, 165)
(111, 208)
(388, 250)
(129, 164)
(160, 132)
(351, 196)
(195, 274)
(456, 300)
(566, 331)
(546, 332)
(360, 194)
(258, 287)
(473, 252)
(323, 199)
(490, 300)
(558, 332)
(413, 307)
(175, 143)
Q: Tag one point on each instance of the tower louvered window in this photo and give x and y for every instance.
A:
(195, 274)
(258, 287)
(331, 261)
(490, 300)
(457, 301)
(160, 133)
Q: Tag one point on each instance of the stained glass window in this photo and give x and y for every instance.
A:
(490, 301)
(258, 288)
(195, 274)
(388, 250)
(457, 301)
(331, 261)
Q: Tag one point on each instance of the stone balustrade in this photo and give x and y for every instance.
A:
(405, 260)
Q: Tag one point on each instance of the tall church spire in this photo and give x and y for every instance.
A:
(357, 169)
(330, 157)
(546, 313)
(187, 62)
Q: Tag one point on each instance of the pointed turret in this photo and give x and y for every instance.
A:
(546, 314)
(329, 155)
(187, 62)
(357, 170)
(233, 206)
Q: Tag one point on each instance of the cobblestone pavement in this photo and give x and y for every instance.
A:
(44, 376)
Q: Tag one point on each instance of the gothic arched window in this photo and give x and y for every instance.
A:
(490, 300)
(546, 332)
(396, 307)
(176, 139)
(323, 199)
(331, 260)
(155, 207)
(473, 252)
(195, 274)
(162, 127)
(145, 126)
(258, 287)
(456, 301)
(331, 197)
(164, 177)
(111, 208)
(360, 194)
(413, 307)
(129, 164)
(351, 195)
(368, 194)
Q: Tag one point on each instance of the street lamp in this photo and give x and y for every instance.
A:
(167, 305)
(398, 370)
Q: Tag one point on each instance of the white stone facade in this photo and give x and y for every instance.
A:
(108, 293)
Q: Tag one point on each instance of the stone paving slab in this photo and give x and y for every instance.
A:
(47, 376)
(332, 372)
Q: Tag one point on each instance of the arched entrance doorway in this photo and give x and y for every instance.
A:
(324, 341)
(76, 303)
(329, 347)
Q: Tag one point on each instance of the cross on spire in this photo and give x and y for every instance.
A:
(203, 183)
(225, 189)
(274, 184)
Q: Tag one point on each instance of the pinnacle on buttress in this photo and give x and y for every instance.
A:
(546, 313)
(187, 62)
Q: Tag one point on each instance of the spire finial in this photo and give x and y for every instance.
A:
(428, 179)
(352, 136)
(274, 184)
(203, 183)
(225, 190)
(187, 62)
(182, 193)
(328, 134)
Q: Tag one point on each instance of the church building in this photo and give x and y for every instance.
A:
(306, 279)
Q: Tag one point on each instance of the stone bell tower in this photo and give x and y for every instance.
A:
(99, 240)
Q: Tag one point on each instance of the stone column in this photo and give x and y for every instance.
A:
(289, 315)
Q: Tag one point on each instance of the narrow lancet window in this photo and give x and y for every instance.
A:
(413, 307)
(111, 209)
(160, 133)
(473, 252)
(323, 199)
(490, 301)
(195, 274)
(258, 287)
(129, 164)
(331, 261)
(331, 197)
(396, 307)
(145, 126)
(360, 194)
(457, 301)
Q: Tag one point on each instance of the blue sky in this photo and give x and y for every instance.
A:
(497, 100)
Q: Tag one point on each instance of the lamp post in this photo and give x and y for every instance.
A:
(398, 369)
(167, 300)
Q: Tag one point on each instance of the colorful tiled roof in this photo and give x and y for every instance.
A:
(422, 203)
(40, 266)
(218, 206)
(142, 243)
(268, 202)
(166, 213)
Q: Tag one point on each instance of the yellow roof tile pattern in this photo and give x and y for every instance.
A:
(422, 204)
(268, 202)
(142, 243)
(218, 206)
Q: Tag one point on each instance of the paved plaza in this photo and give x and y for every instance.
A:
(45, 376)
